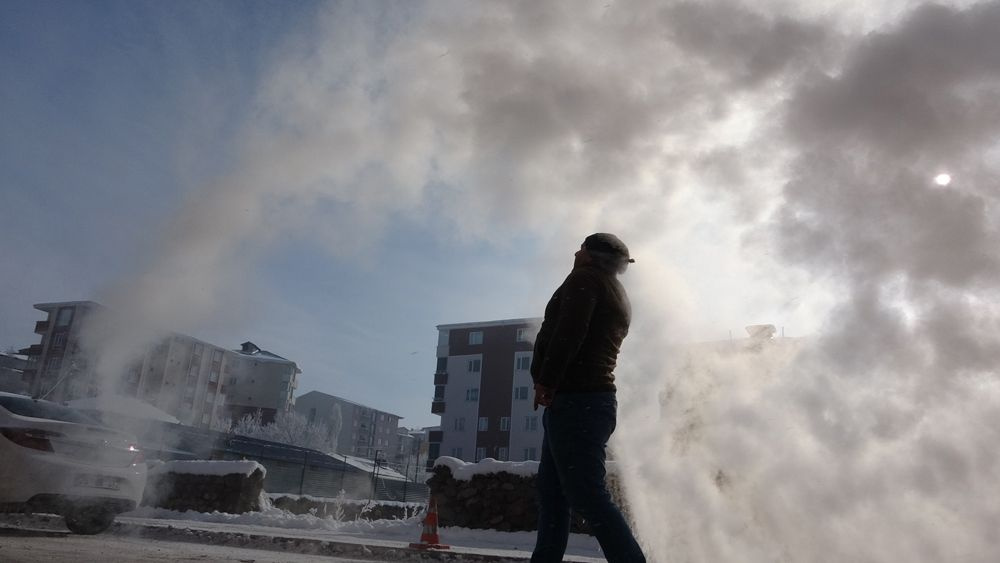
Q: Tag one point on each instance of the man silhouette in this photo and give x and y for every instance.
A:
(575, 354)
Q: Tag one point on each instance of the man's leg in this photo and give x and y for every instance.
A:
(553, 508)
(578, 442)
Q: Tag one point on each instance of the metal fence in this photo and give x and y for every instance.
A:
(290, 469)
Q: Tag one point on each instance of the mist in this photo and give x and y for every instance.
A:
(765, 163)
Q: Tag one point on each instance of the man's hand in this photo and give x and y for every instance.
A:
(543, 396)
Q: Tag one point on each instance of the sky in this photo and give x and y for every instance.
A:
(332, 180)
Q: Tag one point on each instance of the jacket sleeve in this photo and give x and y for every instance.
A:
(579, 296)
(538, 354)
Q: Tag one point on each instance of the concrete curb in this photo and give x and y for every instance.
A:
(308, 546)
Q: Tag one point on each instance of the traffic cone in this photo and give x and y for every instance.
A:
(429, 537)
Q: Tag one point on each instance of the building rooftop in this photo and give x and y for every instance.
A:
(502, 322)
(55, 305)
(250, 349)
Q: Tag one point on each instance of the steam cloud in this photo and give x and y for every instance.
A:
(800, 142)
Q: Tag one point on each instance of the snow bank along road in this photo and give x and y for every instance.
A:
(43, 538)
(32, 546)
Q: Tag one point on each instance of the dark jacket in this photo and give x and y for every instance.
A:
(576, 349)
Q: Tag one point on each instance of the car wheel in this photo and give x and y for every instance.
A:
(89, 519)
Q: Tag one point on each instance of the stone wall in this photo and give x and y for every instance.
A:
(499, 501)
(234, 493)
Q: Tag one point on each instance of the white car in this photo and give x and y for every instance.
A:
(57, 460)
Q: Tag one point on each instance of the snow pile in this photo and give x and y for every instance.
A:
(272, 517)
(462, 471)
(124, 406)
(207, 467)
(341, 500)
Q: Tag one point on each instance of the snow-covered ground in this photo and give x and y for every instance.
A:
(352, 501)
(273, 521)
(29, 546)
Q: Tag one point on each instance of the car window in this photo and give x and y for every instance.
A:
(44, 409)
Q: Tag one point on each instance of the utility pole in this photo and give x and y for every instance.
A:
(375, 475)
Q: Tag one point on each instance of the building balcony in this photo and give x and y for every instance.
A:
(41, 327)
(441, 378)
(437, 407)
(33, 350)
(435, 436)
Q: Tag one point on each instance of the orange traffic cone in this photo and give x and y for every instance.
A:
(429, 537)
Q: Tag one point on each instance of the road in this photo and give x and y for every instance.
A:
(18, 545)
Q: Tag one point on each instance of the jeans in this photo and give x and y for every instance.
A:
(571, 475)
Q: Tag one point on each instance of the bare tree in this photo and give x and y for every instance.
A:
(288, 428)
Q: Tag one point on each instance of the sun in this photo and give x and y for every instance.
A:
(942, 179)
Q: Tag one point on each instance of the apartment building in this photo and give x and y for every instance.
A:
(364, 431)
(181, 375)
(411, 456)
(482, 391)
(258, 380)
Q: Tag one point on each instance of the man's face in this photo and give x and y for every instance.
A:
(581, 258)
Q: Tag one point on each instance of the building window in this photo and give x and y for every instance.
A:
(216, 356)
(530, 454)
(530, 423)
(521, 393)
(522, 335)
(204, 418)
(442, 365)
(523, 363)
(312, 415)
(456, 452)
(502, 454)
(484, 424)
(475, 337)
(53, 364)
(475, 366)
(439, 392)
(64, 317)
(480, 453)
(460, 424)
(59, 340)
(504, 423)
(472, 394)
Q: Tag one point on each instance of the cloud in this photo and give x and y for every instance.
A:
(860, 204)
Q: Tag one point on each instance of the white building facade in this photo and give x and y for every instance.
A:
(363, 431)
(483, 392)
(181, 375)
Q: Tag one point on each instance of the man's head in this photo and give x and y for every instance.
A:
(606, 251)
